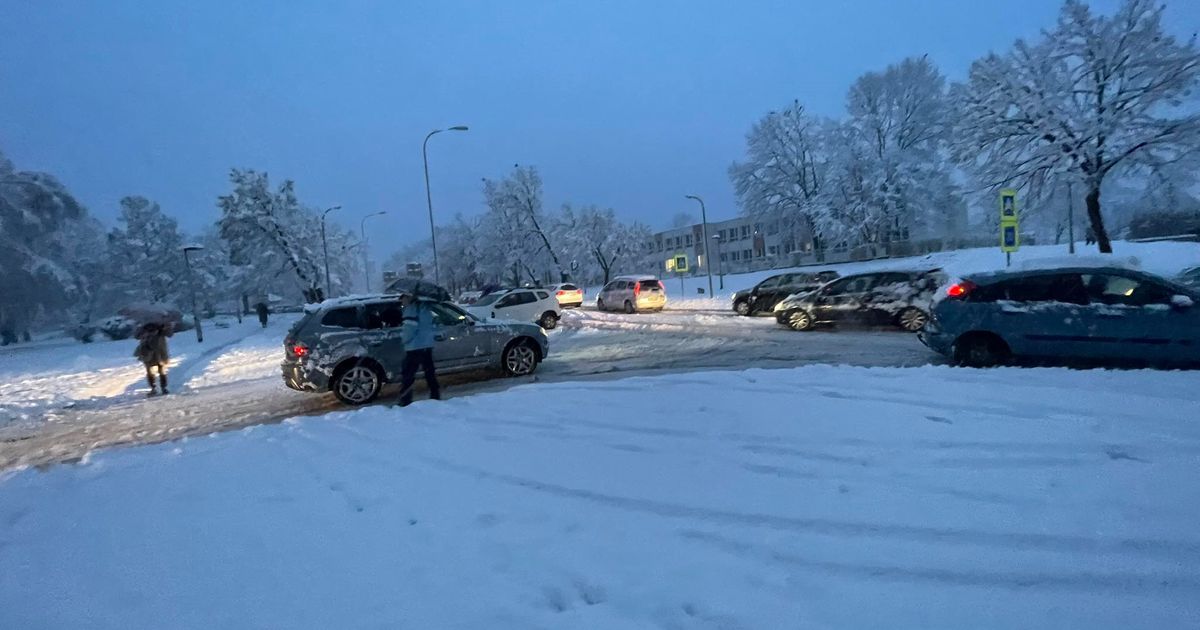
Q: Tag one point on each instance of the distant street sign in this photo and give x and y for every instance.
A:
(1010, 231)
(681, 263)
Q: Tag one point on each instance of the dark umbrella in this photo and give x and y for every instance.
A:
(152, 314)
(420, 289)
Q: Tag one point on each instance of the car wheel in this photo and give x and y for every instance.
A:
(628, 307)
(599, 304)
(548, 321)
(799, 319)
(911, 319)
(980, 351)
(742, 307)
(358, 384)
(520, 359)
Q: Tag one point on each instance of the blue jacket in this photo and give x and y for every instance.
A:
(418, 329)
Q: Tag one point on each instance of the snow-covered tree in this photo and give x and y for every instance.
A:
(597, 243)
(515, 231)
(146, 254)
(37, 277)
(1094, 95)
(268, 229)
(785, 169)
(889, 168)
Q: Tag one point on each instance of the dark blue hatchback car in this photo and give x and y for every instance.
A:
(1070, 314)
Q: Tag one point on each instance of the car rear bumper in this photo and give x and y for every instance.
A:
(938, 342)
(297, 377)
(648, 303)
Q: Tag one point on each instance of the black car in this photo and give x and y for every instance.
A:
(882, 298)
(766, 294)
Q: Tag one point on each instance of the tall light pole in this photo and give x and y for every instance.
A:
(720, 267)
(437, 273)
(362, 228)
(325, 247)
(707, 260)
(1070, 219)
(192, 284)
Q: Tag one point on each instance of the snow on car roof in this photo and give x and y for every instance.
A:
(347, 300)
(636, 277)
(1131, 263)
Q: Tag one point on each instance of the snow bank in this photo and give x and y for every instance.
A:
(811, 497)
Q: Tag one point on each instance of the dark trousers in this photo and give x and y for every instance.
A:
(418, 360)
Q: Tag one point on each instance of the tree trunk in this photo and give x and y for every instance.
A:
(1097, 221)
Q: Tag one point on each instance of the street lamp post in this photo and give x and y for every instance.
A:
(720, 267)
(437, 274)
(325, 248)
(362, 228)
(707, 260)
(192, 284)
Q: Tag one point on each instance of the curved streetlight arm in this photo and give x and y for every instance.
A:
(437, 272)
(707, 258)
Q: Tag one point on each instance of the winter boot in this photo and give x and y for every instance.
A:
(162, 381)
(153, 391)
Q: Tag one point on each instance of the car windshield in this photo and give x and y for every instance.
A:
(488, 299)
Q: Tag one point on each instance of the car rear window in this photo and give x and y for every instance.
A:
(1062, 287)
(346, 317)
(568, 287)
(651, 285)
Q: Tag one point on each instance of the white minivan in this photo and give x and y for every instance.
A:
(632, 294)
(522, 305)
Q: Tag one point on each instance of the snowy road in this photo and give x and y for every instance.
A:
(815, 497)
(231, 383)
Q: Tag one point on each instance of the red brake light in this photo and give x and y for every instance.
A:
(960, 289)
(637, 288)
(562, 293)
(299, 349)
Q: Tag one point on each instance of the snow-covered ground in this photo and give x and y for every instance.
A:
(814, 497)
(1163, 258)
(40, 378)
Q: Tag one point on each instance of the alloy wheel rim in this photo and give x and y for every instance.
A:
(912, 319)
(799, 319)
(520, 360)
(358, 384)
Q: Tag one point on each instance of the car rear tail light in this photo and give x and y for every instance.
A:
(637, 288)
(298, 349)
(562, 293)
(960, 289)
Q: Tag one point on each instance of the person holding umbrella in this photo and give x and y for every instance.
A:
(152, 352)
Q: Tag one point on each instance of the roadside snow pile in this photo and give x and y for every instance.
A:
(810, 497)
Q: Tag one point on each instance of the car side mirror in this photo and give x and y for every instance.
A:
(1182, 302)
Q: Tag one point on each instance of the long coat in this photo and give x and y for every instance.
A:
(152, 346)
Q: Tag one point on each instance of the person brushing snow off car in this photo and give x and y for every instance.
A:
(418, 336)
(152, 352)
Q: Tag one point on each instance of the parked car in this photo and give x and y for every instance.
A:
(1189, 278)
(521, 305)
(568, 295)
(352, 346)
(763, 297)
(1099, 313)
(632, 294)
(899, 298)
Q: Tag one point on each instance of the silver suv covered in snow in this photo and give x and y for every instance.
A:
(352, 346)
